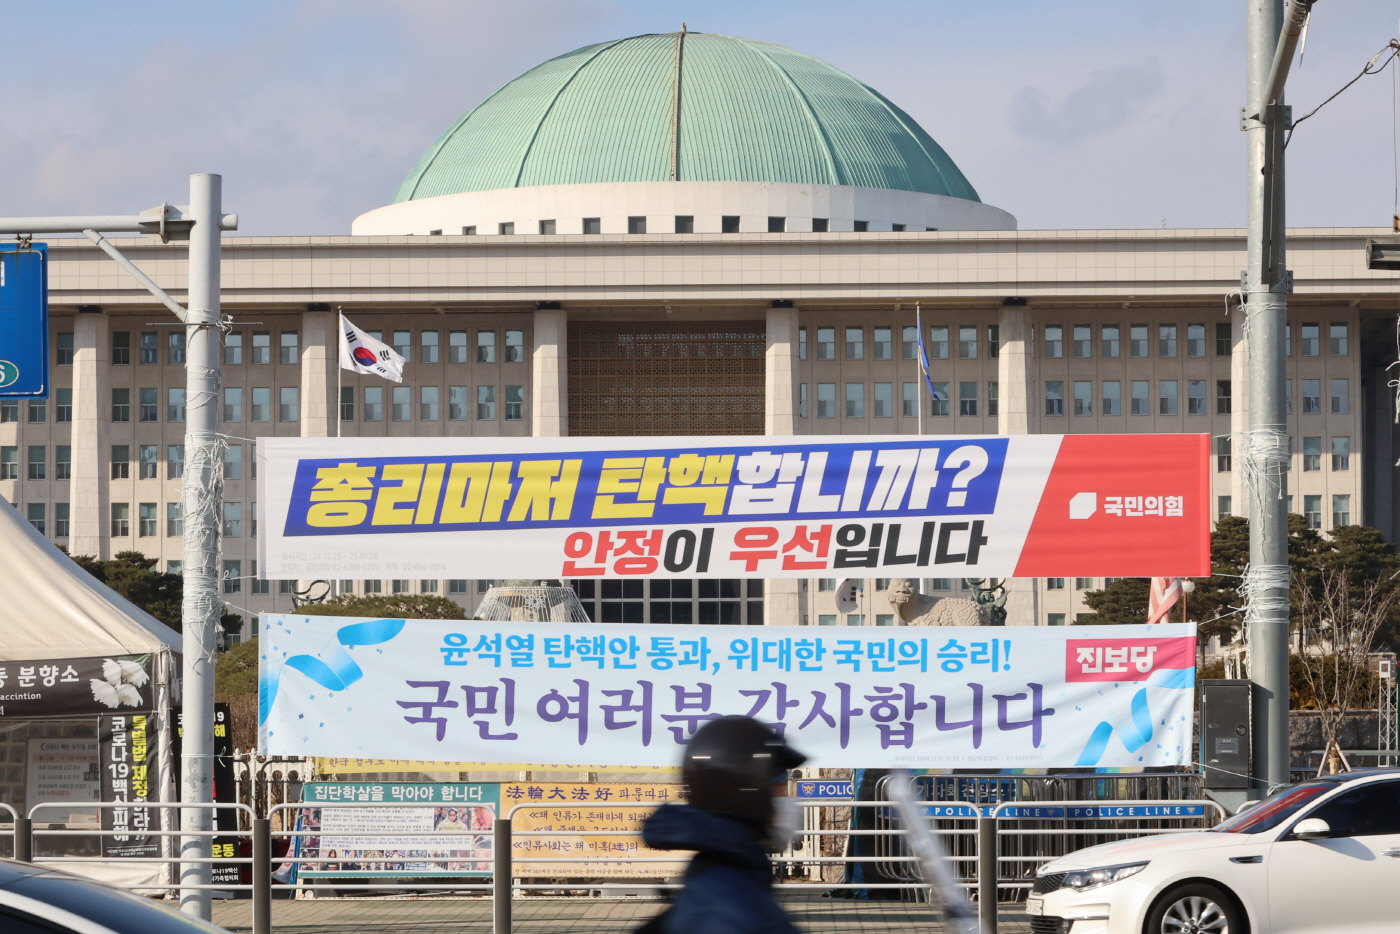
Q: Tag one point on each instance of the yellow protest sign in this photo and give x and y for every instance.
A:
(552, 821)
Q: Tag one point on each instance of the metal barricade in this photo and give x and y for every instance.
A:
(18, 825)
(173, 885)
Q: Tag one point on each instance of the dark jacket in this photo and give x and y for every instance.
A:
(729, 883)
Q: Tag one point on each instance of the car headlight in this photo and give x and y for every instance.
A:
(1082, 879)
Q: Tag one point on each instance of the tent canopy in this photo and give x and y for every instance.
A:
(51, 608)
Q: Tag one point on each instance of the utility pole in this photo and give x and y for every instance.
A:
(201, 223)
(1271, 38)
(203, 494)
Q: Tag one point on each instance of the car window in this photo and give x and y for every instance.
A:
(12, 922)
(1367, 811)
(118, 910)
(1274, 810)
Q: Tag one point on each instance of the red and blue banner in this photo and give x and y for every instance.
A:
(961, 506)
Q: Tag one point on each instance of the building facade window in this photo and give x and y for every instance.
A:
(36, 514)
(175, 409)
(38, 411)
(993, 341)
(63, 462)
(457, 347)
(1054, 397)
(855, 343)
(63, 405)
(38, 462)
(1311, 340)
(174, 520)
(1224, 341)
(1083, 341)
(1312, 511)
(593, 225)
(1223, 506)
(938, 404)
(428, 403)
(967, 343)
(233, 520)
(148, 460)
(855, 400)
(121, 461)
(884, 400)
(938, 343)
(233, 462)
(967, 399)
(1054, 341)
(801, 400)
(1341, 509)
(457, 403)
(149, 400)
(121, 405)
(374, 403)
(1166, 340)
(64, 348)
(1341, 396)
(1341, 453)
(262, 347)
(175, 462)
(1140, 389)
(486, 346)
(60, 520)
(1166, 402)
(402, 406)
(176, 348)
(826, 343)
(486, 403)
(515, 346)
(1137, 340)
(882, 343)
(233, 404)
(1112, 397)
(826, 400)
(1195, 340)
(121, 348)
(261, 408)
(347, 403)
(993, 388)
(233, 348)
(1195, 397)
(1083, 397)
(233, 576)
(147, 525)
(121, 520)
(1312, 397)
(910, 400)
(1111, 342)
(1337, 337)
(1223, 454)
(289, 404)
(428, 346)
(1312, 454)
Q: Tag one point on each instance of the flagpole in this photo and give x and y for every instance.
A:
(340, 339)
(919, 327)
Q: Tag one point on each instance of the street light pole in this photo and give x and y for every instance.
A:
(203, 499)
(1271, 37)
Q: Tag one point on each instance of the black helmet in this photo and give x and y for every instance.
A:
(729, 764)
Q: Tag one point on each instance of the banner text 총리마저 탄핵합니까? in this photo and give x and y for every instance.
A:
(943, 697)
(1022, 506)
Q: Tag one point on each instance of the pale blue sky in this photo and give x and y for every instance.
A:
(1083, 113)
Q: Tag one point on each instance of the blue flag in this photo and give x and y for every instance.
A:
(923, 365)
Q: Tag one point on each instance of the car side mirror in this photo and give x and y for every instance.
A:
(1312, 828)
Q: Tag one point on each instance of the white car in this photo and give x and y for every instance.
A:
(1323, 855)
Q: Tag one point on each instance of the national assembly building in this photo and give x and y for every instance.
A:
(694, 234)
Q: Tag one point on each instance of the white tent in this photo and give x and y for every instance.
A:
(51, 608)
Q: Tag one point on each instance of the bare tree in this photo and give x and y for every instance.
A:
(1337, 624)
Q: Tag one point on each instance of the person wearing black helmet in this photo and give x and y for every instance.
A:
(735, 770)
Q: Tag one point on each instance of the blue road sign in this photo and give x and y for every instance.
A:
(824, 789)
(24, 320)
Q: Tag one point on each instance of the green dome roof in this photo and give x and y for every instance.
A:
(684, 107)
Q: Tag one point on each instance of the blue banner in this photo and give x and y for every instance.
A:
(24, 320)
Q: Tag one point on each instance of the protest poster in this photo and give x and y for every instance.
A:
(437, 830)
(551, 821)
(941, 697)
(509, 508)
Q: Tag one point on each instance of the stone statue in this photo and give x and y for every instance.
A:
(992, 600)
(916, 609)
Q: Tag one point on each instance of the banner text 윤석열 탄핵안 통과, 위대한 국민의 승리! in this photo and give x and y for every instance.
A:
(1023, 506)
(944, 697)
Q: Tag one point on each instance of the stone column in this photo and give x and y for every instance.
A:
(1016, 392)
(781, 598)
(549, 371)
(320, 363)
(780, 373)
(1014, 371)
(88, 508)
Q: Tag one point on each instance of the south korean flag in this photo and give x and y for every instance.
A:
(361, 353)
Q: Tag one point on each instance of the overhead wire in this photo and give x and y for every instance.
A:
(1370, 68)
